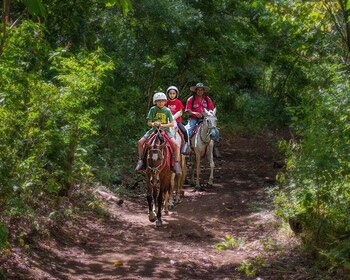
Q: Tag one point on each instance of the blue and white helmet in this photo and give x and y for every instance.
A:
(159, 96)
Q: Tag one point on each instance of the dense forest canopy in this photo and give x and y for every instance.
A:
(77, 78)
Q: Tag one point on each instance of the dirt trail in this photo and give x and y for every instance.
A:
(128, 246)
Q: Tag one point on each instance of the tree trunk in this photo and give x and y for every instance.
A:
(70, 161)
(5, 18)
(151, 84)
(345, 14)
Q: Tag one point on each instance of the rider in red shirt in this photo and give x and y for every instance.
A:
(176, 107)
(195, 106)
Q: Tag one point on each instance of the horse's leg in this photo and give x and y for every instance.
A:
(177, 187)
(172, 188)
(151, 214)
(155, 195)
(211, 162)
(159, 211)
(193, 168)
(198, 169)
(182, 178)
(166, 202)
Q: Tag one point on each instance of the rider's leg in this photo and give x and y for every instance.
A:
(186, 146)
(140, 150)
(177, 167)
(190, 126)
(216, 151)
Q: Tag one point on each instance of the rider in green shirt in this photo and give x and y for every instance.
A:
(159, 116)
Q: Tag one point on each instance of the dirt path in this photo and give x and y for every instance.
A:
(128, 246)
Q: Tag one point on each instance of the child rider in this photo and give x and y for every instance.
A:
(159, 116)
(176, 107)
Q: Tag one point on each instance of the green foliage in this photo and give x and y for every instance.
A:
(49, 111)
(124, 5)
(339, 255)
(3, 235)
(252, 112)
(36, 7)
(270, 244)
(74, 92)
(318, 179)
(251, 267)
(229, 243)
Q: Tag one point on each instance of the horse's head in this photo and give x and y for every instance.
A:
(210, 121)
(156, 157)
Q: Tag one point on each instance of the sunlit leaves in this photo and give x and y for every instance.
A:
(124, 5)
(36, 7)
(318, 164)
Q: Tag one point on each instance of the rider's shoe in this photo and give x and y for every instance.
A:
(139, 165)
(216, 152)
(185, 150)
(176, 168)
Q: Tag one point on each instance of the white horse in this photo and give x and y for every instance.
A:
(202, 144)
(177, 180)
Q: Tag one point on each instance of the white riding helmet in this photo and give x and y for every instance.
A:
(159, 96)
(174, 88)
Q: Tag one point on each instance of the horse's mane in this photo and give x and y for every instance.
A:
(160, 137)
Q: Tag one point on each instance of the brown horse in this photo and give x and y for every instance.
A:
(177, 180)
(158, 176)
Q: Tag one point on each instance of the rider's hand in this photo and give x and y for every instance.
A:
(198, 115)
(157, 124)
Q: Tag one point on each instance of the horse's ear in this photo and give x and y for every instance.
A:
(206, 112)
(214, 111)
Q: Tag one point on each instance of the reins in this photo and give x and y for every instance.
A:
(207, 133)
(161, 164)
(164, 160)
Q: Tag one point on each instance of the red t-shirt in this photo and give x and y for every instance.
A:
(175, 106)
(199, 105)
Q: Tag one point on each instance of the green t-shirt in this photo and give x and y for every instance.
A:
(163, 116)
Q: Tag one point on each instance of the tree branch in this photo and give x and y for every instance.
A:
(5, 18)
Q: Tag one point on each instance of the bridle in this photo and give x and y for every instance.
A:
(155, 151)
(156, 154)
(209, 122)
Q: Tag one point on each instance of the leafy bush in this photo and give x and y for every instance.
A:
(49, 113)
(3, 235)
(317, 194)
(251, 112)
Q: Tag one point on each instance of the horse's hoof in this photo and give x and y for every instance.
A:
(152, 217)
(159, 223)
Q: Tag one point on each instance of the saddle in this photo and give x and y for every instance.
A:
(196, 128)
(163, 136)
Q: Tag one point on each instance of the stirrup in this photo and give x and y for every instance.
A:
(216, 152)
(139, 165)
(185, 150)
(176, 168)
